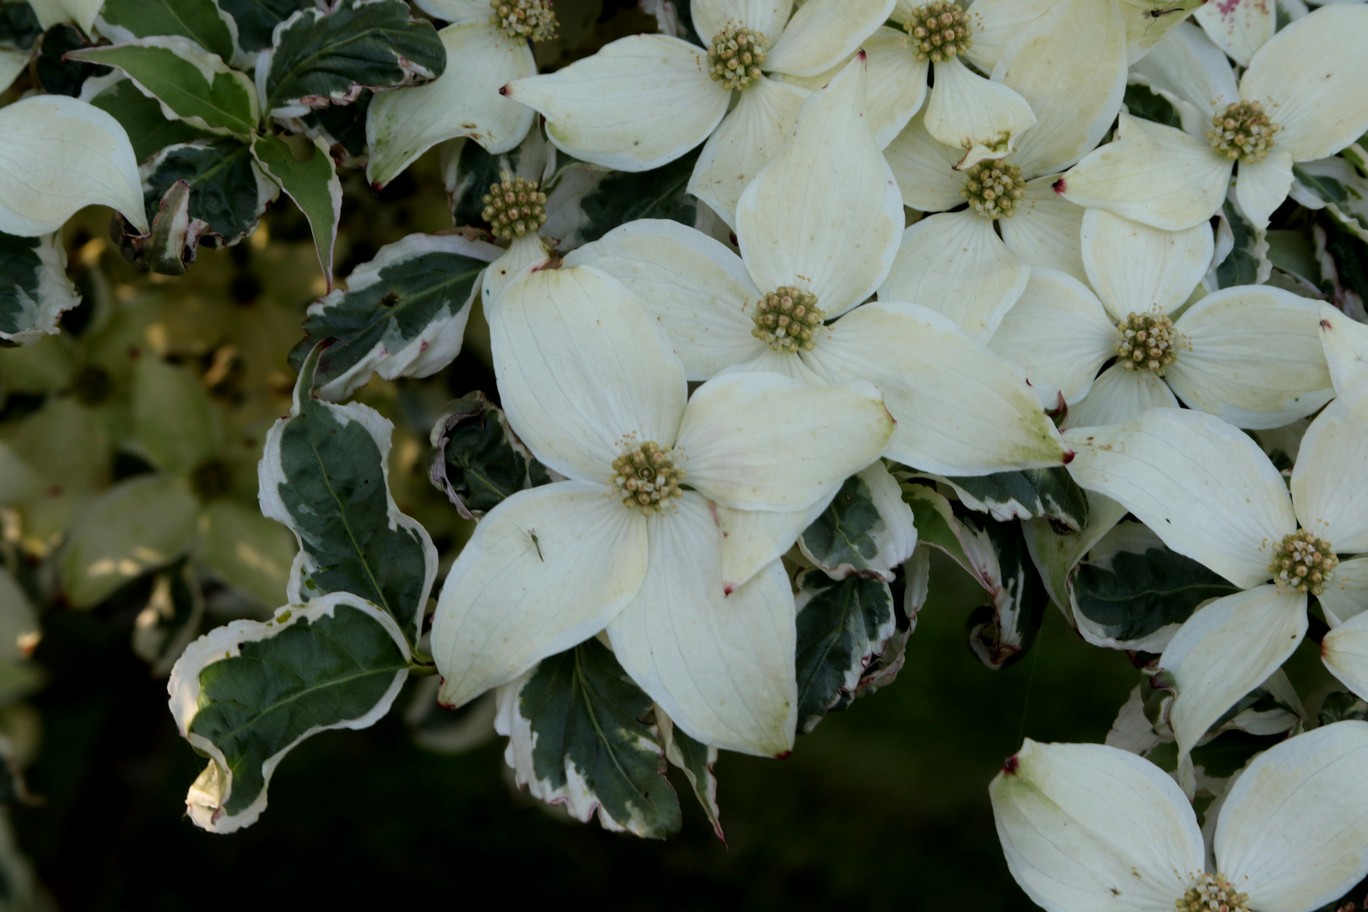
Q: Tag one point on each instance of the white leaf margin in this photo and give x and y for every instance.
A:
(210, 791)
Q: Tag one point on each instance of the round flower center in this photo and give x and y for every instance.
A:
(786, 318)
(735, 55)
(514, 207)
(647, 478)
(1303, 562)
(939, 31)
(1242, 132)
(92, 386)
(1212, 893)
(529, 19)
(1147, 341)
(993, 188)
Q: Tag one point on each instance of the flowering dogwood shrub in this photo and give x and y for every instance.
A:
(773, 302)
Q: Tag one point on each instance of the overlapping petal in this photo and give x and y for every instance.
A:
(1329, 498)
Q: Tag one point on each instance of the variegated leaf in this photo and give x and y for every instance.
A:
(477, 461)
(403, 314)
(35, 290)
(1002, 630)
(312, 182)
(867, 530)
(843, 628)
(324, 475)
(199, 20)
(1027, 494)
(577, 739)
(210, 191)
(696, 760)
(245, 694)
(328, 56)
(191, 84)
(1241, 249)
(141, 116)
(1132, 592)
(587, 201)
(255, 20)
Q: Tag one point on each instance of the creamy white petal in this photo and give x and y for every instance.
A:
(1252, 356)
(1293, 832)
(1046, 230)
(1204, 487)
(1119, 395)
(1239, 29)
(463, 101)
(744, 142)
(1070, 66)
(925, 169)
(897, 83)
(760, 441)
(1345, 595)
(65, 155)
(546, 569)
(1345, 652)
(751, 539)
(81, 12)
(996, 24)
(1087, 827)
(1139, 269)
(822, 33)
(638, 103)
(722, 667)
(1153, 174)
(765, 16)
(1310, 78)
(825, 214)
(1191, 72)
(580, 367)
(1059, 333)
(1326, 481)
(961, 408)
(1346, 348)
(1226, 649)
(696, 288)
(1260, 188)
(955, 264)
(522, 253)
(982, 117)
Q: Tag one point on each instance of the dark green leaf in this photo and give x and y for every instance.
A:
(469, 171)
(257, 19)
(34, 288)
(343, 129)
(1248, 262)
(323, 476)
(577, 739)
(55, 74)
(245, 694)
(222, 194)
(199, 20)
(328, 57)
(844, 535)
(142, 118)
(843, 626)
(312, 183)
(1324, 185)
(607, 199)
(1142, 102)
(476, 459)
(1345, 261)
(1048, 493)
(19, 26)
(1340, 705)
(403, 313)
(1130, 590)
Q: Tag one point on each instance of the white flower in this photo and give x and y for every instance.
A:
(1209, 492)
(630, 543)
(1087, 827)
(1299, 100)
(646, 100)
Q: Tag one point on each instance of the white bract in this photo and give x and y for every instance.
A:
(1088, 827)
(1299, 100)
(817, 230)
(646, 100)
(1250, 354)
(1209, 492)
(630, 543)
